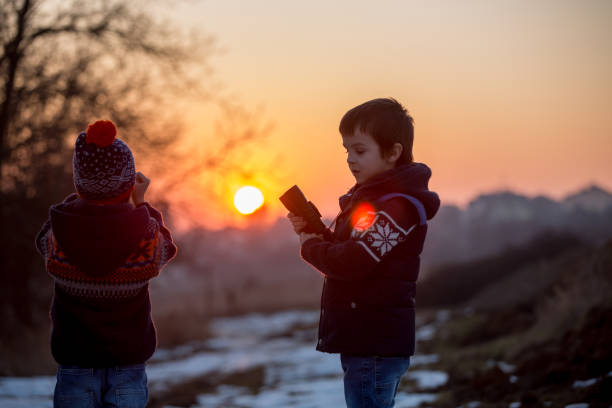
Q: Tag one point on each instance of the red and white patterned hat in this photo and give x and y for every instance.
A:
(102, 165)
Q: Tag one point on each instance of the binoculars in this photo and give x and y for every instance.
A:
(295, 201)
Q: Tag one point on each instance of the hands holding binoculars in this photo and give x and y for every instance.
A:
(299, 223)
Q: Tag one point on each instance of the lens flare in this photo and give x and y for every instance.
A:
(248, 199)
(363, 216)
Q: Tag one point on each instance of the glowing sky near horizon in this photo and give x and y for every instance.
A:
(505, 94)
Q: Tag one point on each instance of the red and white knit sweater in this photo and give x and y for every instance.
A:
(102, 258)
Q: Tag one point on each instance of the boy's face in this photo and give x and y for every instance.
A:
(364, 156)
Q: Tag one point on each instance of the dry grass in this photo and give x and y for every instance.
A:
(529, 284)
(568, 287)
(584, 286)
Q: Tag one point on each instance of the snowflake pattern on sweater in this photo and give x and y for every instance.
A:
(378, 233)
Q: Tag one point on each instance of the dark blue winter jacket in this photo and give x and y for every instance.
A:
(371, 264)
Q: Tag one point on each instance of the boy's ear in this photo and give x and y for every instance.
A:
(395, 152)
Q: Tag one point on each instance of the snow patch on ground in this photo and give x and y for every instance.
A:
(26, 392)
(283, 344)
(585, 383)
(427, 379)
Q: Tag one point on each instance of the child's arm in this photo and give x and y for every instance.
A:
(167, 246)
(166, 242)
(357, 257)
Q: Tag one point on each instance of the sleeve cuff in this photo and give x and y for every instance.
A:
(305, 247)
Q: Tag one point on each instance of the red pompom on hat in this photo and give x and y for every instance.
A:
(102, 133)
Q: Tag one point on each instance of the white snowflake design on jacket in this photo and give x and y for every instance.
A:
(384, 238)
(382, 235)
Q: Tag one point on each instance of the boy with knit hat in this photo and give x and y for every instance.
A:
(102, 250)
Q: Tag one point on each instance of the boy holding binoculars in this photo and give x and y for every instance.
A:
(370, 261)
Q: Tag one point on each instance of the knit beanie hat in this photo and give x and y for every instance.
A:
(102, 166)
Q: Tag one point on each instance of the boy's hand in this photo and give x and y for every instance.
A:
(298, 222)
(140, 187)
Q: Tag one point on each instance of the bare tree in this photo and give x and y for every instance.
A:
(63, 64)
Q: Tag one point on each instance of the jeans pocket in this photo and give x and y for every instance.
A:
(131, 390)
(132, 397)
(74, 387)
(132, 375)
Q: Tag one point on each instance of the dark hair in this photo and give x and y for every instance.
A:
(387, 121)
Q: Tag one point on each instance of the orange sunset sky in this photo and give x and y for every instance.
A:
(505, 94)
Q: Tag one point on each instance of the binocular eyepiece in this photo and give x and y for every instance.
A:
(295, 201)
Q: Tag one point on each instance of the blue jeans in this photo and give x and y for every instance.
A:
(123, 386)
(371, 382)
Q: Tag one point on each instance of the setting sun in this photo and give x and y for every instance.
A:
(248, 199)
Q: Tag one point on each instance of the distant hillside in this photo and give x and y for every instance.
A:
(491, 222)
